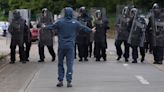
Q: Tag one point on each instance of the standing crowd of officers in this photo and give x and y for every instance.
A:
(132, 30)
(138, 33)
(21, 36)
(81, 32)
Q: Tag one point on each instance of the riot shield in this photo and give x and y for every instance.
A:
(158, 28)
(45, 36)
(25, 14)
(137, 33)
(122, 22)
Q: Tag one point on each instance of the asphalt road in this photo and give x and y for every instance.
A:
(110, 76)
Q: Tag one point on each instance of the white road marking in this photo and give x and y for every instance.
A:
(126, 66)
(142, 80)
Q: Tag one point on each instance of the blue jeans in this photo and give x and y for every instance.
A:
(69, 54)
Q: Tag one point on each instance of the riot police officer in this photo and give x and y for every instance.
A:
(137, 35)
(157, 33)
(16, 29)
(123, 29)
(27, 40)
(101, 25)
(45, 35)
(83, 38)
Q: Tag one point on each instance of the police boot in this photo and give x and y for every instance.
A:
(40, 60)
(11, 62)
(104, 59)
(27, 60)
(155, 62)
(60, 84)
(80, 60)
(97, 59)
(85, 59)
(23, 62)
(134, 61)
(160, 62)
(142, 59)
(69, 84)
(118, 58)
(126, 60)
(53, 58)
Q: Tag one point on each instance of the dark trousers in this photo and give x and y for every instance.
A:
(148, 47)
(13, 51)
(135, 52)
(75, 50)
(83, 50)
(158, 53)
(118, 44)
(50, 49)
(100, 51)
(27, 49)
(4, 33)
(90, 49)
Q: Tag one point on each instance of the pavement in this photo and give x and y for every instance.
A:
(4, 45)
(109, 76)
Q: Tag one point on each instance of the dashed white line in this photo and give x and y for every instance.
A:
(142, 80)
(126, 66)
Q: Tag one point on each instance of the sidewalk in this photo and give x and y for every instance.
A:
(4, 45)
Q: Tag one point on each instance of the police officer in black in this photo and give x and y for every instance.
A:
(100, 40)
(83, 38)
(123, 29)
(16, 29)
(137, 35)
(46, 35)
(27, 40)
(157, 33)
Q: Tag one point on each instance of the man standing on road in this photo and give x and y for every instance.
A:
(16, 29)
(67, 28)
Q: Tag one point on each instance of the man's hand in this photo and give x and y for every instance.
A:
(94, 29)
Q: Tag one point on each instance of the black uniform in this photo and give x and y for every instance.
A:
(137, 37)
(157, 35)
(100, 38)
(16, 30)
(46, 37)
(27, 41)
(83, 38)
(124, 25)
